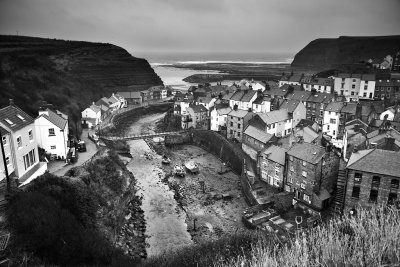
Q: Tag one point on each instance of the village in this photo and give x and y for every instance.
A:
(309, 147)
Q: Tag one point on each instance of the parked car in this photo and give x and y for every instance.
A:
(81, 146)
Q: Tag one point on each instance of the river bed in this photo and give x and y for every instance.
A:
(165, 222)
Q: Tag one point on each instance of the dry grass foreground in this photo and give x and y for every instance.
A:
(372, 238)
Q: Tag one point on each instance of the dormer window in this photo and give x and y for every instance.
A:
(9, 122)
(4, 140)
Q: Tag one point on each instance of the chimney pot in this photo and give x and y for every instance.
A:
(11, 102)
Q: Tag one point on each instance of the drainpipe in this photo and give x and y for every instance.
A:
(65, 147)
(5, 164)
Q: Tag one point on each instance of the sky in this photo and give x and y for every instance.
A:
(200, 26)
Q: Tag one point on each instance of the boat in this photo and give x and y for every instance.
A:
(165, 160)
(192, 167)
(179, 171)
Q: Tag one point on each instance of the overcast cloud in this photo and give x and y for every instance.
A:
(200, 25)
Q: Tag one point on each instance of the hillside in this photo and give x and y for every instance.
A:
(331, 53)
(68, 74)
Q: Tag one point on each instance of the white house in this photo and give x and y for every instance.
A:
(206, 101)
(243, 99)
(330, 124)
(253, 85)
(388, 114)
(22, 142)
(164, 92)
(367, 86)
(262, 104)
(218, 117)
(91, 116)
(321, 85)
(277, 122)
(116, 102)
(52, 133)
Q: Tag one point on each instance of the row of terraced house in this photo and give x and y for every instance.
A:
(300, 128)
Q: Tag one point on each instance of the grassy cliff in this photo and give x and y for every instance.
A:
(68, 74)
(326, 53)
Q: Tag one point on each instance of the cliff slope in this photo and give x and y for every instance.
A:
(68, 74)
(330, 53)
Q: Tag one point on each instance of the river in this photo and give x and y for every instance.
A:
(165, 221)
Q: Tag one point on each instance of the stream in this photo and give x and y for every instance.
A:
(165, 222)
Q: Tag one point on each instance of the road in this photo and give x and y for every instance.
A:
(59, 168)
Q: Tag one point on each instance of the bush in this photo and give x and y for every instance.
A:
(55, 219)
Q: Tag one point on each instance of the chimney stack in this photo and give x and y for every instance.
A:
(11, 102)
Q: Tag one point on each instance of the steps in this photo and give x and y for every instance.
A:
(338, 203)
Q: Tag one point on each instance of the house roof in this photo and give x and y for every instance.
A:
(274, 116)
(376, 161)
(322, 81)
(248, 95)
(277, 92)
(103, 101)
(350, 108)
(198, 108)
(14, 118)
(229, 95)
(276, 154)
(237, 96)
(129, 94)
(54, 118)
(295, 78)
(290, 105)
(350, 127)
(307, 152)
(308, 134)
(299, 95)
(334, 106)
(258, 134)
(223, 110)
(320, 98)
(260, 99)
(204, 99)
(95, 108)
(304, 123)
(238, 113)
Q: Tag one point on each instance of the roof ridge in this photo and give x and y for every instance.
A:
(371, 150)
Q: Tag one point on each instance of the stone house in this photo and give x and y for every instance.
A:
(311, 174)
(316, 105)
(320, 85)
(277, 122)
(218, 117)
(373, 177)
(237, 121)
(254, 140)
(262, 104)
(196, 116)
(271, 166)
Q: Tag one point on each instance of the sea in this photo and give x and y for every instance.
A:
(163, 64)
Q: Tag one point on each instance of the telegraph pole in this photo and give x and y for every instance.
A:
(5, 163)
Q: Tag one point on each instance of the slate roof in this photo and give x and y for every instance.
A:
(299, 95)
(274, 116)
(304, 123)
(289, 105)
(350, 108)
(204, 99)
(322, 81)
(129, 94)
(11, 113)
(258, 134)
(295, 78)
(320, 98)
(54, 118)
(294, 86)
(237, 96)
(376, 161)
(248, 96)
(198, 108)
(276, 92)
(334, 106)
(307, 152)
(238, 113)
(95, 108)
(308, 134)
(223, 111)
(276, 154)
(103, 101)
(260, 99)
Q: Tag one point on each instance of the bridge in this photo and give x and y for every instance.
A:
(141, 136)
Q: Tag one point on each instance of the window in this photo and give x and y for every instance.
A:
(52, 147)
(376, 180)
(342, 87)
(392, 198)
(20, 117)
(19, 141)
(394, 184)
(30, 133)
(329, 113)
(231, 132)
(365, 87)
(238, 125)
(352, 93)
(333, 121)
(307, 198)
(304, 163)
(334, 132)
(373, 196)
(4, 140)
(357, 178)
(388, 89)
(304, 173)
(329, 127)
(238, 134)
(303, 186)
(8, 160)
(356, 192)
(365, 95)
(321, 113)
(354, 80)
(29, 159)
(353, 86)
(231, 124)
(51, 131)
